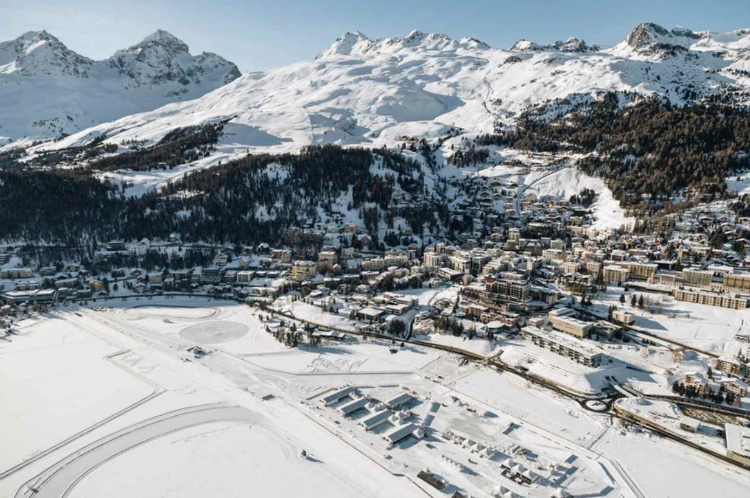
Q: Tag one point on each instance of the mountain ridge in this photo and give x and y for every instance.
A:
(361, 91)
(53, 90)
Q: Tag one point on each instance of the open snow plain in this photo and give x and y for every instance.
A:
(114, 401)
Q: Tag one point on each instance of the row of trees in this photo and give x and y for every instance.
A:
(708, 394)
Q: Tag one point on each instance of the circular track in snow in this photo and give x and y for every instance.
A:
(214, 332)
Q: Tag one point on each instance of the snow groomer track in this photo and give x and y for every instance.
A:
(59, 479)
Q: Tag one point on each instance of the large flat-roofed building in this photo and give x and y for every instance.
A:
(697, 278)
(614, 273)
(563, 320)
(729, 365)
(564, 345)
(642, 271)
(738, 443)
(245, 276)
(30, 296)
(737, 282)
(370, 315)
(433, 259)
(516, 291)
(711, 299)
(14, 273)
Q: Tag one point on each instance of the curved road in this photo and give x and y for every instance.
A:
(59, 479)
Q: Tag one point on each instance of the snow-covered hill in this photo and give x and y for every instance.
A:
(371, 92)
(47, 89)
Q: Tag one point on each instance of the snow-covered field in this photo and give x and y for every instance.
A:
(56, 382)
(238, 418)
(708, 328)
(228, 459)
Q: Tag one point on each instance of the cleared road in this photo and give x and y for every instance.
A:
(58, 480)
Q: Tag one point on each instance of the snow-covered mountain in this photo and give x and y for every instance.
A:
(47, 89)
(373, 91)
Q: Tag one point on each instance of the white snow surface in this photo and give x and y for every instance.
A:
(238, 418)
(358, 91)
(47, 89)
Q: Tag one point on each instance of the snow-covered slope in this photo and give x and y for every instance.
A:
(47, 89)
(363, 91)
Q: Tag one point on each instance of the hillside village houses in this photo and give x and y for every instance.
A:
(524, 273)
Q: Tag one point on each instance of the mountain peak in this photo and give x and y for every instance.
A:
(163, 58)
(38, 52)
(37, 35)
(344, 44)
(524, 45)
(652, 38)
(163, 39)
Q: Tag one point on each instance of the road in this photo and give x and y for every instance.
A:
(548, 383)
(59, 479)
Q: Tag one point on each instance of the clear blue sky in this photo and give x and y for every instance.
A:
(262, 34)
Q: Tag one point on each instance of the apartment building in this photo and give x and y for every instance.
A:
(459, 263)
(304, 270)
(516, 291)
(433, 259)
(373, 264)
(697, 278)
(614, 273)
(562, 320)
(396, 258)
(711, 299)
(737, 282)
(327, 260)
(563, 345)
(625, 317)
(642, 271)
(729, 365)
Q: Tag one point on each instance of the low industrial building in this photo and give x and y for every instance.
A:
(399, 433)
(337, 396)
(30, 296)
(375, 420)
(738, 443)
